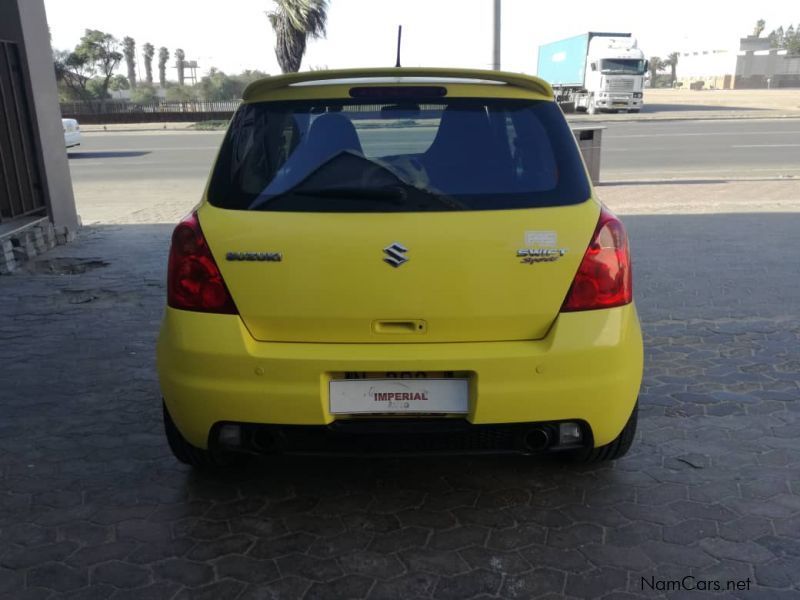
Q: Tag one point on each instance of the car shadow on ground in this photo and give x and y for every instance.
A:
(709, 488)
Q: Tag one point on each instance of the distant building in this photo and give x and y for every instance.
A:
(753, 65)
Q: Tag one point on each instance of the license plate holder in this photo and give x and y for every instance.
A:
(417, 395)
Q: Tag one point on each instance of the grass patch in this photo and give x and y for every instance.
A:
(209, 125)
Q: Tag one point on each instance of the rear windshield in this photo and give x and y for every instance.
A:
(404, 156)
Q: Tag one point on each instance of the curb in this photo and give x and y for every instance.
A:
(656, 118)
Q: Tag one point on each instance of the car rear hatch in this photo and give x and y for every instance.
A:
(411, 229)
(463, 279)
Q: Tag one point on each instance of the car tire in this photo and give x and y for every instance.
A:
(615, 449)
(197, 457)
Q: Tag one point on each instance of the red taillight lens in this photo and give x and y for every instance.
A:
(603, 279)
(194, 281)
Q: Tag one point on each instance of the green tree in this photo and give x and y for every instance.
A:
(786, 40)
(656, 64)
(148, 51)
(129, 51)
(144, 94)
(217, 86)
(100, 52)
(672, 63)
(163, 57)
(180, 93)
(793, 45)
(249, 76)
(73, 73)
(294, 22)
(119, 82)
(776, 37)
(759, 29)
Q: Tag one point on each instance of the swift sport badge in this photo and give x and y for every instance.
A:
(532, 256)
(395, 254)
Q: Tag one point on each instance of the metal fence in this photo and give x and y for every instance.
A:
(21, 190)
(109, 111)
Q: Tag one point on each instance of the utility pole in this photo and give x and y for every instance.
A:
(496, 54)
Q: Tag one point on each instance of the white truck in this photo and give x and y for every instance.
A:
(595, 72)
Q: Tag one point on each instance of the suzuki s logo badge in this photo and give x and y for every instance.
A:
(395, 254)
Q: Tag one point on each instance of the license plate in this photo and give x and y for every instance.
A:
(401, 375)
(399, 395)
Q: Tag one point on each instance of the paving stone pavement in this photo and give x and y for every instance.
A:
(92, 505)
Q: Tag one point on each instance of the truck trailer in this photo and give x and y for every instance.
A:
(595, 71)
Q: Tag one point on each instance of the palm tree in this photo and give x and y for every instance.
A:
(656, 64)
(672, 63)
(180, 60)
(148, 51)
(129, 51)
(163, 57)
(294, 22)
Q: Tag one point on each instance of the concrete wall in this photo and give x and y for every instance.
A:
(714, 67)
(773, 68)
(25, 23)
(752, 65)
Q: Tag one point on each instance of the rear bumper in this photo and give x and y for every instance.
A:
(619, 103)
(400, 436)
(588, 368)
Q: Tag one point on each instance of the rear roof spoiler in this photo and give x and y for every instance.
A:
(526, 82)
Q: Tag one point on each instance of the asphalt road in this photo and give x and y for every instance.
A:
(701, 149)
(632, 151)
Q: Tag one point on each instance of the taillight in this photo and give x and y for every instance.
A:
(194, 281)
(603, 279)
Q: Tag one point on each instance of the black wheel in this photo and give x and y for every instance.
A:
(615, 449)
(197, 457)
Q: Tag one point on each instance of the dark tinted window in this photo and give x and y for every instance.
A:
(625, 66)
(350, 156)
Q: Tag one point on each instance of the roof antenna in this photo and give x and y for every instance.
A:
(399, 35)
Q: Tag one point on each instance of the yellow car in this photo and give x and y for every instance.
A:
(399, 260)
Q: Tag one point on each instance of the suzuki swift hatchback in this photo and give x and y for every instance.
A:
(399, 260)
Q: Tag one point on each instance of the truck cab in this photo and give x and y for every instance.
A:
(615, 69)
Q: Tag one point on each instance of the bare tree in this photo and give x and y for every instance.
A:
(163, 57)
(294, 22)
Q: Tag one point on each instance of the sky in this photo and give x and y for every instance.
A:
(235, 35)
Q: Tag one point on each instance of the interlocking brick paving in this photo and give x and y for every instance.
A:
(92, 504)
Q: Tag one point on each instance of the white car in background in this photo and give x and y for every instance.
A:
(72, 132)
